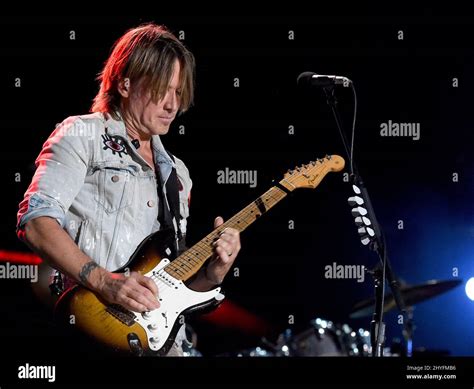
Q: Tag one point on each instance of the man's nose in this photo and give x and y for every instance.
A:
(171, 102)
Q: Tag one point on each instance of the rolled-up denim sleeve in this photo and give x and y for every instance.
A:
(60, 171)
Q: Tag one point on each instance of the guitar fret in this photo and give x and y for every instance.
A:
(191, 261)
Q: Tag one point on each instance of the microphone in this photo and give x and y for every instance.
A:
(313, 79)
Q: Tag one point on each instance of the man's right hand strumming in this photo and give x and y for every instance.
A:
(46, 237)
(134, 292)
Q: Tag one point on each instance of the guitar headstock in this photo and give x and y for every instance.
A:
(310, 175)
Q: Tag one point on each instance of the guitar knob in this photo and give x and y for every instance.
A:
(146, 315)
(153, 327)
(155, 339)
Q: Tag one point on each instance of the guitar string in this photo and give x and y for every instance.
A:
(244, 216)
(274, 193)
(270, 194)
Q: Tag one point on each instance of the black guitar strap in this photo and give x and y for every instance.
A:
(165, 214)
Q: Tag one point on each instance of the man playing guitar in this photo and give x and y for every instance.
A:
(102, 181)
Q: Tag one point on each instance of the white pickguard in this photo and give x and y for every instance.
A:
(175, 297)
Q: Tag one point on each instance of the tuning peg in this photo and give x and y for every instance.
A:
(313, 163)
(358, 211)
(365, 240)
(328, 157)
(355, 200)
(356, 189)
(362, 220)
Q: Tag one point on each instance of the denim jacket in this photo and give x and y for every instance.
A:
(92, 180)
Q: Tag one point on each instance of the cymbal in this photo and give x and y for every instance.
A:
(412, 295)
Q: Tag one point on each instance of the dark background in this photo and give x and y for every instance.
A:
(281, 270)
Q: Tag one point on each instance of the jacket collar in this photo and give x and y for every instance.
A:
(117, 128)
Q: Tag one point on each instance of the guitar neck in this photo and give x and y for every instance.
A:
(188, 263)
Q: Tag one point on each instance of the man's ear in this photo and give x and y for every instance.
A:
(124, 87)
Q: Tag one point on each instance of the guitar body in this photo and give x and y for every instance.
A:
(149, 333)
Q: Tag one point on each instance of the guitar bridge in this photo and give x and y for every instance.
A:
(122, 314)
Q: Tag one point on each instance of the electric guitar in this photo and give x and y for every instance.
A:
(153, 333)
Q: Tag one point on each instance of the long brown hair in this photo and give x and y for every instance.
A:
(146, 55)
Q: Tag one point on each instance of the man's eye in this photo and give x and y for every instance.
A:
(178, 92)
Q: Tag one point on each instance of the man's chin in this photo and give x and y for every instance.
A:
(161, 130)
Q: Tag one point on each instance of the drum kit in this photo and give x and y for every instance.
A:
(323, 338)
(326, 338)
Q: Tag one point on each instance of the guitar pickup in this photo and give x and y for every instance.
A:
(122, 314)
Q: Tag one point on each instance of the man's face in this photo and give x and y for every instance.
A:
(155, 118)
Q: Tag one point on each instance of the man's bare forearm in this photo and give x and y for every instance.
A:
(46, 237)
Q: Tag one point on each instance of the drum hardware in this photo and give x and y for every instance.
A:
(412, 295)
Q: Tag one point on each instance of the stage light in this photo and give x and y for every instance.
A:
(470, 288)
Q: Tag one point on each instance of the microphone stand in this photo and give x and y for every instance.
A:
(377, 244)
